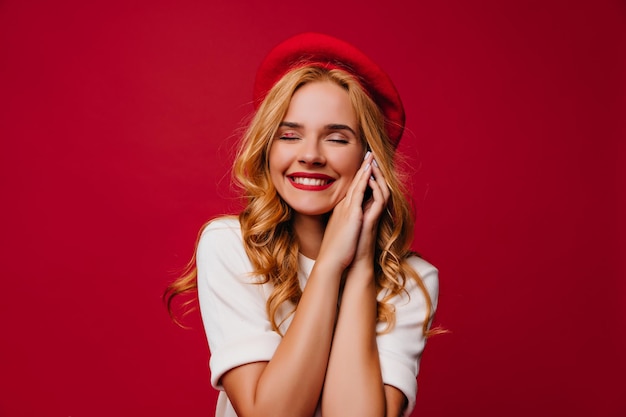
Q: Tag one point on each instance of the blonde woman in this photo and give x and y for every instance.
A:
(312, 300)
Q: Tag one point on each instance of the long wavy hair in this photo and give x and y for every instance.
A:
(265, 221)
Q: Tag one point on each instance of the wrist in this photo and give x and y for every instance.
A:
(327, 268)
(361, 272)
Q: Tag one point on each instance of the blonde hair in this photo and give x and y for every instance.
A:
(266, 219)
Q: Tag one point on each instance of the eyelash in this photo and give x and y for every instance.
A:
(288, 138)
(292, 138)
(337, 140)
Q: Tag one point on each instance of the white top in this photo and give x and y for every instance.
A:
(239, 331)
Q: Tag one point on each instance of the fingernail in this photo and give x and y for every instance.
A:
(367, 155)
(375, 163)
(372, 178)
(366, 167)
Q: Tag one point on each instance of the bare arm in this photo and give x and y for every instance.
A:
(354, 385)
(290, 384)
(395, 400)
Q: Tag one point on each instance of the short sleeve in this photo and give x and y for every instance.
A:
(231, 303)
(401, 349)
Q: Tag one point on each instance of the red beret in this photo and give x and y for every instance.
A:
(327, 52)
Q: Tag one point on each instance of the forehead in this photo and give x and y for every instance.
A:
(321, 102)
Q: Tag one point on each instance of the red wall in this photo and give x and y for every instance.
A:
(117, 125)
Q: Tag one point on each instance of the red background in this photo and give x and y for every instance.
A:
(118, 121)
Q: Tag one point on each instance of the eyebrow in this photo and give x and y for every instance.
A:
(332, 126)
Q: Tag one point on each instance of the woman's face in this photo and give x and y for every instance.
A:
(317, 150)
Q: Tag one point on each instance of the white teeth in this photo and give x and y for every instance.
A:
(310, 181)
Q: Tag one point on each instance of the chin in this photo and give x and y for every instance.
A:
(311, 212)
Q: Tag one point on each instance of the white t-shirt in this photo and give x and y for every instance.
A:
(238, 330)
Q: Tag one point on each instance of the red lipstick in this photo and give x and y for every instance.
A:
(310, 181)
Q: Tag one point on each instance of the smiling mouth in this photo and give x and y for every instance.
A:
(312, 182)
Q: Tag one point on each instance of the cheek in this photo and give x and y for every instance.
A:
(274, 161)
(275, 171)
(279, 153)
(351, 166)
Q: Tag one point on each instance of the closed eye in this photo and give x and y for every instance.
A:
(288, 136)
(338, 140)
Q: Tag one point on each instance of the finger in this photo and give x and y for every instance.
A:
(379, 178)
(378, 199)
(356, 191)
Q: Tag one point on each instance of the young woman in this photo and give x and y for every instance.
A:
(312, 300)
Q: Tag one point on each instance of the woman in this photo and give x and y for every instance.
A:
(312, 301)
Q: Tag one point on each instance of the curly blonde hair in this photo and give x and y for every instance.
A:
(266, 219)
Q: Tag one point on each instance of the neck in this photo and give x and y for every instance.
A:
(310, 232)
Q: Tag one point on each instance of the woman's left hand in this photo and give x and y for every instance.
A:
(372, 211)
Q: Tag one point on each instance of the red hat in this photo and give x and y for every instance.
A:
(327, 52)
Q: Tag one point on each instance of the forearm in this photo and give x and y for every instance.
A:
(353, 385)
(291, 382)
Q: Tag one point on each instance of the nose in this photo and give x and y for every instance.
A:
(311, 154)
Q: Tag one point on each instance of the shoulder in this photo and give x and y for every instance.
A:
(421, 266)
(221, 260)
(221, 238)
(222, 226)
(427, 273)
(220, 230)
